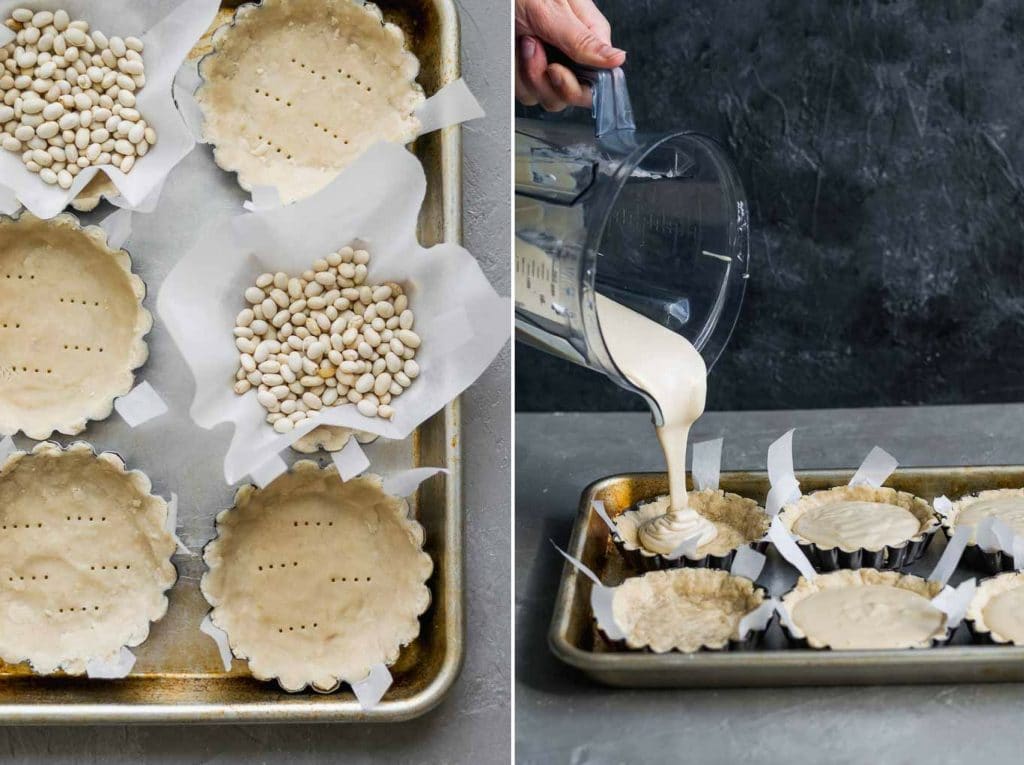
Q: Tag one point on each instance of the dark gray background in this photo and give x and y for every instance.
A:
(882, 153)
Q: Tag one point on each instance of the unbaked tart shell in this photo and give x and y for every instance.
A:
(841, 557)
(992, 561)
(709, 604)
(741, 522)
(330, 438)
(72, 325)
(295, 90)
(849, 578)
(85, 558)
(315, 580)
(981, 631)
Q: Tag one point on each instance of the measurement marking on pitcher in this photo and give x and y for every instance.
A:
(724, 258)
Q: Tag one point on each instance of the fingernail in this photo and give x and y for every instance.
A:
(608, 51)
(529, 47)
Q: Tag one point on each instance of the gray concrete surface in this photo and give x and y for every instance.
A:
(561, 716)
(473, 724)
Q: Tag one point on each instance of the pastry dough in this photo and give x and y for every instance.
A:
(85, 558)
(95, 190)
(859, 517)
(71, 325)
(684, 609)
(865, 609)
(737, 520)
(997, 608)
(330, 438)
(314, 580)
(295, 90)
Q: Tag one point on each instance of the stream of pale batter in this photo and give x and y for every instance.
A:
(669, 369)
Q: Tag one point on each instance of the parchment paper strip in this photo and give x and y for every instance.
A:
(113, 669)
(747, 563)
(875, 468)
(784, 486)
(220, 637)
(372, 689)
(140, 405)
(706, 470)
(601, 598)
(951, 555)
(954, 602)
(788, 549)
(350, 460)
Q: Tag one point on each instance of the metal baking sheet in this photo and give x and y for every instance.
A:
(179, 677)
(575, 640)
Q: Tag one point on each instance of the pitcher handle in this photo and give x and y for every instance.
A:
(611, 107)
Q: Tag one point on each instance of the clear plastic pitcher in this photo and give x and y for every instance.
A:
(656, 222)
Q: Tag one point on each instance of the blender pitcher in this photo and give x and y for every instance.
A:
(655, 222)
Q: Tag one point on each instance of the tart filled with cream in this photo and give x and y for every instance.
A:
(720, 521)
(864, 610)
(857, 526)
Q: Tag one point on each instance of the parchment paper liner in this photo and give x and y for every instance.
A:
(750, 642)
(168, 31)
(995, 561)
(375, 202)
(889, 557)
(720, 507)
(854, 578)
(141, 483)
(121, 380)
(231, 157)
(212, 558)
(981, 633)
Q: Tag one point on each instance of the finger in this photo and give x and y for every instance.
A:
(568, 88)
(556, 22)
(524, 93)
(535, 78)
(588, 13)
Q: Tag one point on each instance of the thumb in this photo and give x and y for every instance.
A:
(560, 27)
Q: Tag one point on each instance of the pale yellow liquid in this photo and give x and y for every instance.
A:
(669, 369)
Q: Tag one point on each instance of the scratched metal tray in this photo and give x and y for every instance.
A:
(178, 677)
(575, 640)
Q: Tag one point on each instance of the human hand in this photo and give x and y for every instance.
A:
(575, 27)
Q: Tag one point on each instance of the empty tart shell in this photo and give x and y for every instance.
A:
(330, 438)
(295, 90)
(819, 531)
(72, 325)
(1007, 504)
(686, 610)
(85, 558)
(315, 580)
(995, 615)
(739, 521)
(864, 609)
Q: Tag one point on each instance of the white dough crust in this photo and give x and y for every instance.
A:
(72, 325)
(85, 558)
(314, 580)
(330, 438)
(684, 609)
(295, 90)
(996, 608)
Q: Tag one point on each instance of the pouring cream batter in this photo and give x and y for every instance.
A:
(669, 369)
